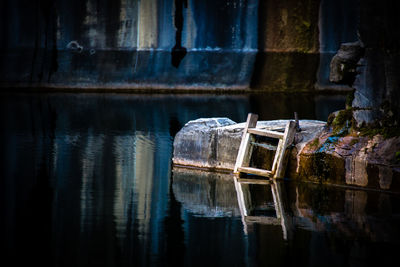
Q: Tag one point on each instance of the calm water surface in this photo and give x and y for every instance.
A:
(86, 180)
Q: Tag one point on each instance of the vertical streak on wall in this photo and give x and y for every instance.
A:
(250, 34)
(189, 27)
(127, 32)
(148, 24)
(91, 25)
(237, 41)
(166, 30)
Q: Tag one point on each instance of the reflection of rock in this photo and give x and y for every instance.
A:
(349, 213)
(206, 194)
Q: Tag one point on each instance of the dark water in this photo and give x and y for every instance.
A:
(86, 180)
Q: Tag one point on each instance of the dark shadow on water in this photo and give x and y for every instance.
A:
(175, 246)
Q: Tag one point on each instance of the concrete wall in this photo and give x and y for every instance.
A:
(128, 43)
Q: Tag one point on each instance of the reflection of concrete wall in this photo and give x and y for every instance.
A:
(90, 161)
(124, 147)
(144, 162)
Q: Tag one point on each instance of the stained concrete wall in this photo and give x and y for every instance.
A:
(128, 43)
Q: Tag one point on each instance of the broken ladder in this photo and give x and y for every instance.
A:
(245, 149)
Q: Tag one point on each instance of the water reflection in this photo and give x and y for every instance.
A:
(270, 210)
(87, 180)
(315, 224)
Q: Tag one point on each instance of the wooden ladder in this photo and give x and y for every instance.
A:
(245, 149)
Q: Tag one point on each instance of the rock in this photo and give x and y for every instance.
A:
(318, 155)
(351, 160)
(214, 143)
(343, 64)
(205, 143)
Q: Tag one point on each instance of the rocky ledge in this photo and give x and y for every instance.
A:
(318, 154)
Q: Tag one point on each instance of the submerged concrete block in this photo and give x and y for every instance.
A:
(214, 143)
(196, 144)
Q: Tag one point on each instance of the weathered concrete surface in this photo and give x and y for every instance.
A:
(127, 45)
(289, 25)
(214, 143)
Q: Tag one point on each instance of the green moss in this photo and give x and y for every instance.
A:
(349, 99)
(342, 117)
(315, 143)
(330, 119)
(342, 122)
(307, 24)
(386, 132)
(397, 156)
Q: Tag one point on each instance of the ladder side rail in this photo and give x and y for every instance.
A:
(280, 152)
(243, 149)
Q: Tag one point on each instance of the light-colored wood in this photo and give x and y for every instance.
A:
(254, 181)
(244, 145)
(280, 152)
(240, 196)
(248, 151)
(266, 133)
(255, 171)
(277, 152)
(241, 203)
(245, 149)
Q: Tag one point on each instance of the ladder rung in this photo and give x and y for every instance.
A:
(255, 171)
(266, 133)
(254, 181)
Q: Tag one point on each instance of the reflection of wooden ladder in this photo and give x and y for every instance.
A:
(244, 202)
(245, 149)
